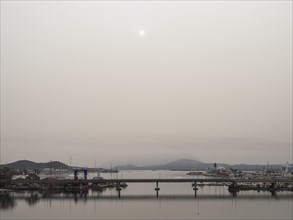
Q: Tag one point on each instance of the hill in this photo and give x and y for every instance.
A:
(30, 165)
(187, 165)
(182, 164)
(178, 165)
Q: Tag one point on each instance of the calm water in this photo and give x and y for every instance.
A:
(138, 201)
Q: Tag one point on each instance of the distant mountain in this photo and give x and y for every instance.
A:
(178, 165)
(187, 165)
(30, 165)
(129, 167)
(182, 164)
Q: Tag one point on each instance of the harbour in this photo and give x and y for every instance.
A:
(146, 110)
(272, 185)
(176, 199)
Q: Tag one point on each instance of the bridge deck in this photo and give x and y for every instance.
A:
(160, 180)
(190, 180)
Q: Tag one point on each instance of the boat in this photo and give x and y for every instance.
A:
(219, 171)
(98, 177)
(196, 173)
(198, 184)
(123, 185)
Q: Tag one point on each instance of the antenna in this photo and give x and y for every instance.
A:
(117, 174)
(111, 170)
(70, 161)
(51, 167)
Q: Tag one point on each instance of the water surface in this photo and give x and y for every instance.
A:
(138, 201)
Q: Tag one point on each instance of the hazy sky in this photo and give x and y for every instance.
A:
(141, 81)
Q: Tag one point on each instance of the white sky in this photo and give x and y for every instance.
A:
(146, 81)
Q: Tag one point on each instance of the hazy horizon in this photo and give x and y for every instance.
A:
(146, 81)
(156, 162)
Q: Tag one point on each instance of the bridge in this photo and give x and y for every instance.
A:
(233, 183)
(158, 180)
(272, 184)
(190, 180)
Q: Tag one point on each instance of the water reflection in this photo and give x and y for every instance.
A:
(8, 201)
(32, 199)
(75, 196)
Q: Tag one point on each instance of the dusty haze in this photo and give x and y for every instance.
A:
(146, 81)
